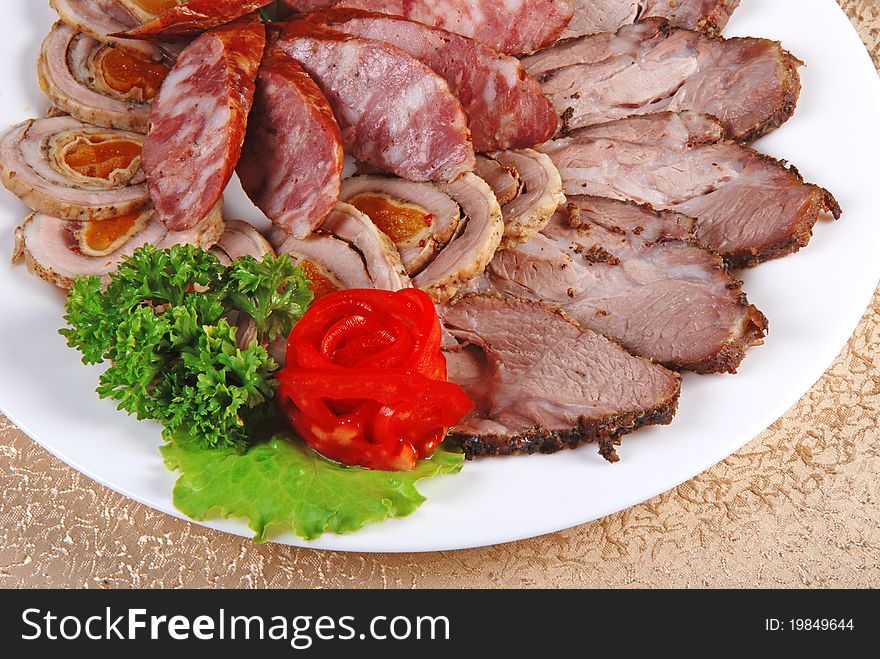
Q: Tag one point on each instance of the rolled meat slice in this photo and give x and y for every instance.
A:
(383, 262)
(506, 109)
(749, 207)
(542, 383)
(193, 17)
(419, 218)
(60, 251)
(394, 112)
(198, 122)
(65, 168)
(108, 86)
(242, 239)
(592, 16)
(504, 181)
(292, 160)
(474, 244)
(514, 28)
(330, 263)
(100, 19)
(541, 194)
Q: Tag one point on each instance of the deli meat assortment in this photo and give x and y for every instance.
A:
(571, 181)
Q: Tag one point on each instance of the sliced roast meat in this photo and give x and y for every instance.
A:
(108, 86)
(241, 239)
(541, 194)
(51, 250)
(418, 218)
(661, 298)
(594, 16)
(505, 108)
(749, 207)
(198, 122)
(292, 160)
(394, 112)
(193, 17)
(541, 383)
(751, 85)
(102, 18)
(514, 28)
(474, 244)
(504, 181)
(380, 254)
(68, 169)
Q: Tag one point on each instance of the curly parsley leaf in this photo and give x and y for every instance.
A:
(161, 322)
(273, 292)
(282, 483)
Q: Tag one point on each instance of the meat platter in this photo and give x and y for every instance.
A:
(506, 499)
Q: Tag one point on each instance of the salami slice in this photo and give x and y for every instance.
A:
(193, 18)
(394, 112)
(518, 27)
(506, 109)
(291, 165)
(198, 122)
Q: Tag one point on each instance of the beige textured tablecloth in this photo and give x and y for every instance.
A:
(798, 506)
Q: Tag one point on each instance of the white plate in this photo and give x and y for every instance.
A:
(814, 300)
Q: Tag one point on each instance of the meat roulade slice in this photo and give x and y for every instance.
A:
(108, 86)
(60, 251)
(193, 17)
(67, 169)
(198, 122)
(419, 218)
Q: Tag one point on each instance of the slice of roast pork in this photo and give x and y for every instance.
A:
(749, 207)
(60, 251)
(76, 73)
(631, 274)
(539, 196)
(67, 169)
(504, 181)
(594, 16)
(751, 85)
(474, 244)
(419, 218)
(541, 383)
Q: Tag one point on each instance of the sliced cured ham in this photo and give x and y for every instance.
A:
(198, 122)
(194, 17)
(65, 168)
(292, 161)
(594, 16)
(394, 112)
(631, 274)
(749, 207)
(523, 26)
(108, 86)
(541, 194)
(541, 383)
(100, 19)
(419, 218)
(474, 244)
(505, 108)
(751, 85)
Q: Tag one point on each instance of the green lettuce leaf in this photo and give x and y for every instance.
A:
(284, 483)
